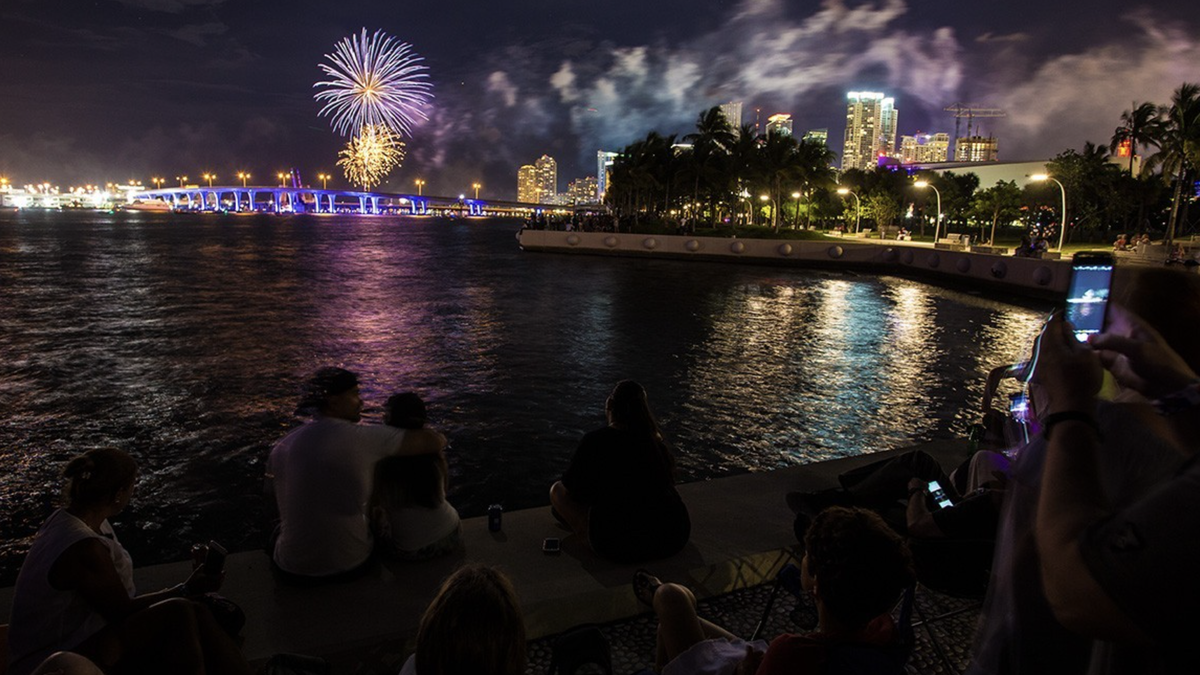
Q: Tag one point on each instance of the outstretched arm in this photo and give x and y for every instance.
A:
(1072, 498)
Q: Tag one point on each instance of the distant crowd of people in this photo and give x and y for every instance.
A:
(1076, 520)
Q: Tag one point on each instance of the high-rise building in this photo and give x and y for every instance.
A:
(733, 112)
(604, 162)
(779, 123)
(977, 149)
(527, 184)
(871, 121)
(582, 191)
(818, 135)
(924, 148)
(547, 179)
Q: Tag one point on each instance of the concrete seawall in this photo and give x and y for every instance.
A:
(1028, 277)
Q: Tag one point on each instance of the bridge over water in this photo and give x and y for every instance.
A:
(284, 199)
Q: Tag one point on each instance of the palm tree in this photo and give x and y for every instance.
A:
(710, 149)
(1140, 127)
(1179, 145)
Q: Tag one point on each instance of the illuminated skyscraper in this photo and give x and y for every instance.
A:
(733, 113)
(870, 129)
(547, 180)
(779, 123)
(977, 149)
(819, 135)
(582, 191)
(527, 189)
(604, 162)
(924, 148)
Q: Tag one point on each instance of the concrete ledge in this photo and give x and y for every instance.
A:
(741, 536)
(1031, 277)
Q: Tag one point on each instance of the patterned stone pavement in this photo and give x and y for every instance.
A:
(942, 643)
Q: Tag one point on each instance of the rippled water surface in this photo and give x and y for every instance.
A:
(183, 339)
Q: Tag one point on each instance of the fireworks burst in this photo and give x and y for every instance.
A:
(377, 81)
(371, 155)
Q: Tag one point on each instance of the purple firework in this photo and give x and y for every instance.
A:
(376, 80)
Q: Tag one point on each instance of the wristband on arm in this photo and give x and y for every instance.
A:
(1068, 416)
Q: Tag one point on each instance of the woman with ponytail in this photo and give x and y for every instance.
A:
(619, 491)
(75, 591)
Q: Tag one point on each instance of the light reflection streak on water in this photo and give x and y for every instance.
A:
(183, 339)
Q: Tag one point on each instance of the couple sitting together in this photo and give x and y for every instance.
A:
(345, 490)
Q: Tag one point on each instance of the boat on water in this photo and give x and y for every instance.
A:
(156, 205)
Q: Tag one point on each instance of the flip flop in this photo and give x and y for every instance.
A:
(645, 585)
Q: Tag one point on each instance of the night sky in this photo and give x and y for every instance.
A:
(112, 90)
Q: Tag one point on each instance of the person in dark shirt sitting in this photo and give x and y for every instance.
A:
(619, 490)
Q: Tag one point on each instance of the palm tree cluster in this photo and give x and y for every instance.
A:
(1172, 132)
(720, 174)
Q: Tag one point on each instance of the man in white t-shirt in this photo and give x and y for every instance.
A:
(321, 475)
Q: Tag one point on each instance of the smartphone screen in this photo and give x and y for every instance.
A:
(1018, 407)
(939, 495)
(1087, 297)
(551, 545)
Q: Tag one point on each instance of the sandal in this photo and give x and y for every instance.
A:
(645, 585)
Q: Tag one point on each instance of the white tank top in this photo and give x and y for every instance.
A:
(45, 619)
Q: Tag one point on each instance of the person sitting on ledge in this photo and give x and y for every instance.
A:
(321, 475)
(410, 516)
(75, 591)
(474, 625)
(854, 567)
(619, 491)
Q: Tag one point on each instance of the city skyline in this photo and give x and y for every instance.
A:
(137, 88)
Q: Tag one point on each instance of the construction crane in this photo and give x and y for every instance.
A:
(971, 111)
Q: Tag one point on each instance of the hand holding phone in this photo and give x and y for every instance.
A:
(938, 494)
(214, 559)
(551, 545)
(1087, 296)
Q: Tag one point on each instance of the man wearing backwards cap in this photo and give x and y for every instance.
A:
(321, 475)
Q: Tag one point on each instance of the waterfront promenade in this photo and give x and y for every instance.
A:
(742, 535)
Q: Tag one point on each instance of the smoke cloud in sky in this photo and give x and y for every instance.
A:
(608, 95)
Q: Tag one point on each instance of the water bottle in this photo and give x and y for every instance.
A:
(495, 514)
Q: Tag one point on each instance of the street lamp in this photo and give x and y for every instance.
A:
(324, 180)
(857, 206)
(420, 184)
(158, 182)
(938, 225)
(209, 177)
(764, 199)
(181, 179)
(796, 220)
(476, 186)
(243, 175)
(1062, 230)
(281, 176)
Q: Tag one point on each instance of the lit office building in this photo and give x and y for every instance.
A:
(924, 148)
(779, 123)
(547, 180)
(582, 191)
(817, 135)
(604, 162)
(733, 112)
(527, 184)
(977, 149)
(870, 129)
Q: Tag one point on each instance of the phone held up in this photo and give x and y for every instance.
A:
(551, 545)
(938, 494)
(1087, 296)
